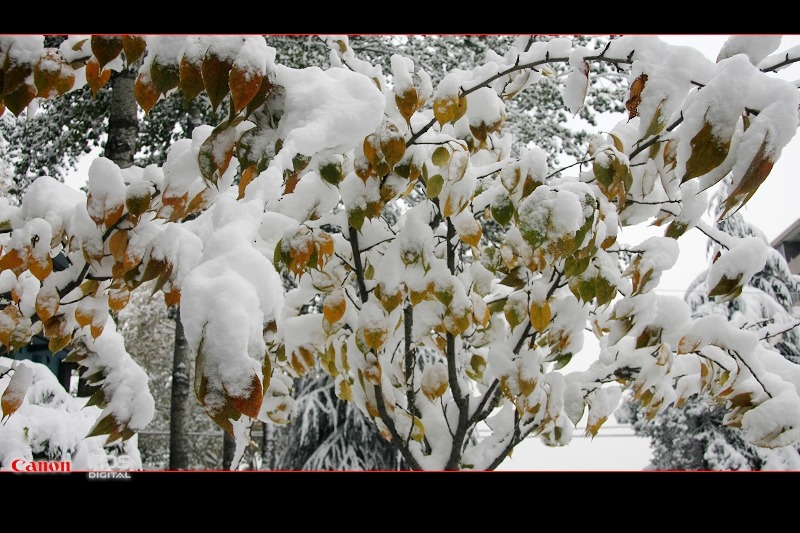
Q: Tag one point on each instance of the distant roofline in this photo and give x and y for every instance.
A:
(794, 228)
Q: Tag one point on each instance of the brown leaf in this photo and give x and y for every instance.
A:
(191, 79)
(407, 102)
(708, 152)
(632, 105)
(134, 47)
(244, 85)
(20, 98)
(754, 176)
(106, 48)
(145, 93)
(165, 76)
(14, 75)
(217, 150)
(95, 77)
(215, 78)
(449, 109)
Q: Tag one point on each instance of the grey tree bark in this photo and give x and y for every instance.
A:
(123, 123)
(179, 443)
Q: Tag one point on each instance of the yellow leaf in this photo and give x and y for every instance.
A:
(334, 307)
(57, 344)
(344, 391)
(540, 315)
(449, 108)
(245, 85)
(407, 102)
(106, 48)
(375, 336)
(95, 77)
(117, 244)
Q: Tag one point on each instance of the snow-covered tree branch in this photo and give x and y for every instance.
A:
(428, 326)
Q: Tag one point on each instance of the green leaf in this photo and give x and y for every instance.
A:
(440, 156)
(502, 209)
(434, 186)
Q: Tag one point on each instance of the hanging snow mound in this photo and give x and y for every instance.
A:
(326, 110)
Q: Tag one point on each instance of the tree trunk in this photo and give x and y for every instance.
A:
(123, 123)
(179, 443)
(228, 449)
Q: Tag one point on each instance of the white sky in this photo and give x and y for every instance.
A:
(772, 209)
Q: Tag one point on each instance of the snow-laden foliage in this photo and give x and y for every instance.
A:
(692, 436)
(49, 423)
(319, 154)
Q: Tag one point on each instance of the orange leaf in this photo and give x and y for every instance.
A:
(245, 85)
(134, 47)
(261, 96)
(249, 405)
(145, 93)
(47, 301)
(215, 78)
(112, 215)
(40, 268)
(96, 78)
(83, 316)
(11, 261)
(200, 201)
(632, 105)
(14, 394)
(334, 307)
(248, 175)
(106, 48)
(118, 299)
(52, 75)
(172, 297)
